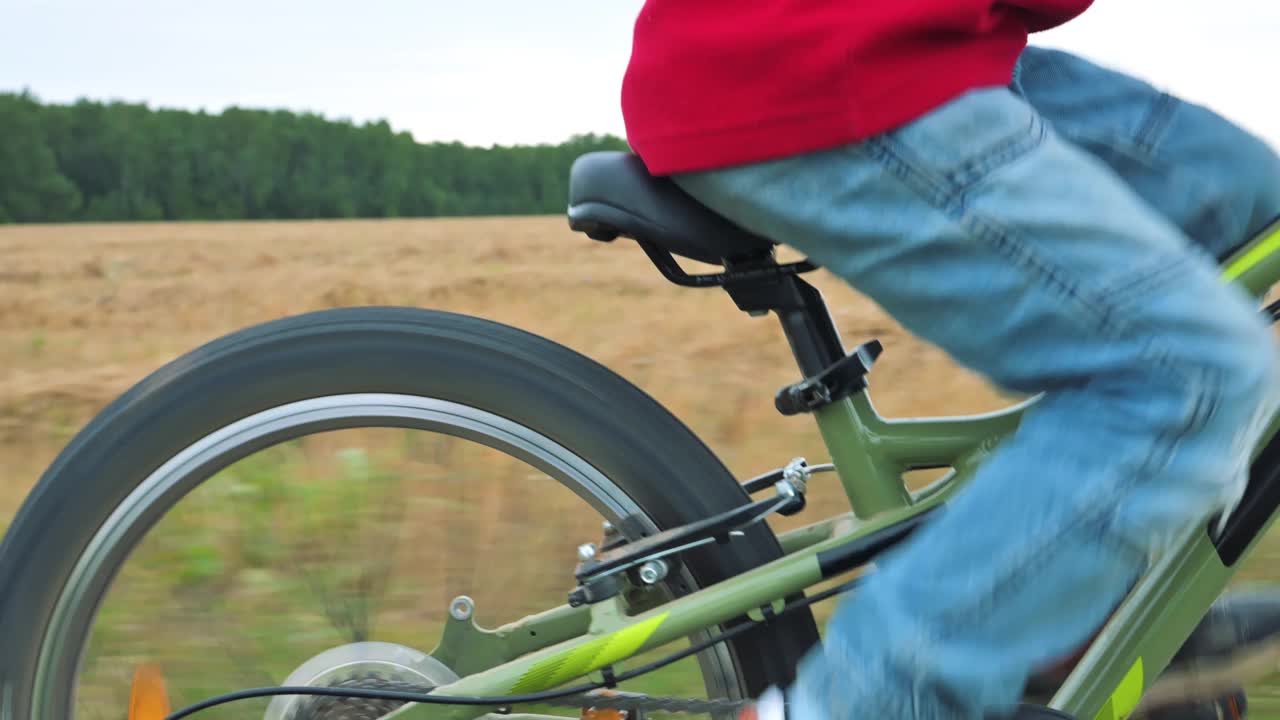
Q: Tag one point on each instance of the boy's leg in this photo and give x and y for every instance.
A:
(1221, 185)
(1030, 261)
(1215, 180)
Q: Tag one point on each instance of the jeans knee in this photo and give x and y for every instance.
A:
(1231, 175)
(1249, 375)
(1226, 391)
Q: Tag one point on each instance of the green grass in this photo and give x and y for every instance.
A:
(334, 539)
(361, 535)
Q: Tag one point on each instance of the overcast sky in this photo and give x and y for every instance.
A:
(516, 71)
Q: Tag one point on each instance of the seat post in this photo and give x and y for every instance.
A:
(832, 389)
(810, 330)
(805, 319)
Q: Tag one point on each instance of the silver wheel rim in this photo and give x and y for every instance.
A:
(193, 465)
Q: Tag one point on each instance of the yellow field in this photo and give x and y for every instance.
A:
(86, 311)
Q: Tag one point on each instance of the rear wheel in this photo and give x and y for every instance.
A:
(134, 510)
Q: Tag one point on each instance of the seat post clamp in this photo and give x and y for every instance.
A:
(841, 380)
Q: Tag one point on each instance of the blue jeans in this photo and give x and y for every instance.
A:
(1057, 236)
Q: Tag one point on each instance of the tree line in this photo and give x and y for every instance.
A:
(94, 161)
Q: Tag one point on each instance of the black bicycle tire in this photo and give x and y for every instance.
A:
(568, 397)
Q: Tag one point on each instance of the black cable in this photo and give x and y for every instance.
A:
(428, 699)
(422, 698)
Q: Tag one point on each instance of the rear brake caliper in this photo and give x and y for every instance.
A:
(649, 560)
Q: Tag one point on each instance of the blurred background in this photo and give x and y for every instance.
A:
(173, 172)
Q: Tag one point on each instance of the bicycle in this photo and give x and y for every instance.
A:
(684, 554)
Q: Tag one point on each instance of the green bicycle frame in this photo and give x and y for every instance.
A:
(870, 455)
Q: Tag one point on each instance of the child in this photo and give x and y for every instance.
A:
(1048, 223)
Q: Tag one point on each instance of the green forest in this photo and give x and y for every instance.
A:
(93, 161)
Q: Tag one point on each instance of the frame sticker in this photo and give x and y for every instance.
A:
(1269, 244)
(1126, 697)
(581, 660)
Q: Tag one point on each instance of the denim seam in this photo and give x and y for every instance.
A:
(1152, 131)
(935, 191)
(1105, 305)
(1099, 144)
(1094, 519)
(901, 166)
(1094, 513)
(962, 178)
(946, 192)
(947, 188)
(1215, 215)
(1142, 146)
(1145, 284)
(947, 197)
(1003, 240)
(1205, 382)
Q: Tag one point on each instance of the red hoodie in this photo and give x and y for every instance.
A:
(714, 83)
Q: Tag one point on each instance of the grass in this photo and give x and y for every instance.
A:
(369, 534)
(320, 542)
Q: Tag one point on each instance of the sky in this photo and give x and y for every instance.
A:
(517, 71)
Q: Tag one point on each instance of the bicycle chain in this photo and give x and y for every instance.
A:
(632, 702)
(352, 708)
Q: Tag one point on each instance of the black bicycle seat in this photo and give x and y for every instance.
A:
(612, 195)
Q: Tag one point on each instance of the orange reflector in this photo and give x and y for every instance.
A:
(595, 714)
(148, 701)
(603, 714)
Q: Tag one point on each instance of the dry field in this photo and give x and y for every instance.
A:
(86, 311)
